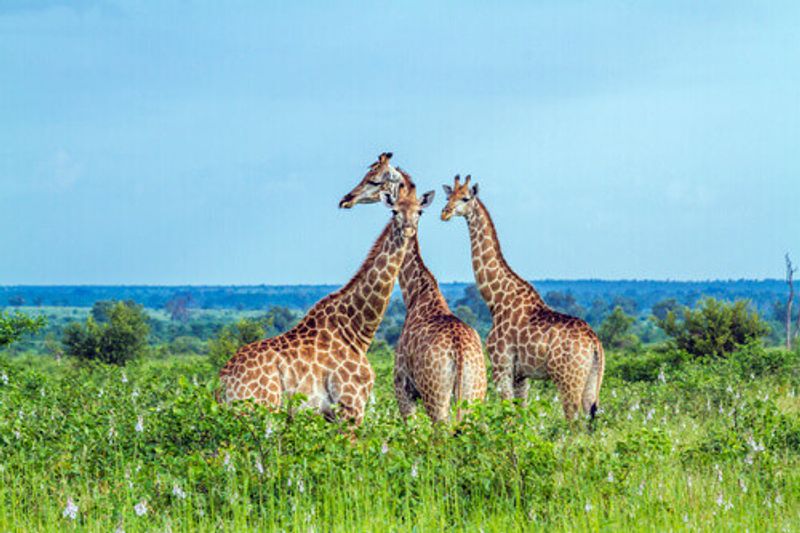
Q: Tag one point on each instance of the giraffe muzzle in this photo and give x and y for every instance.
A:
(346, 202)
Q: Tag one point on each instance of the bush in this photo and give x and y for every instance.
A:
(614, 332)
(756, 360)
(234, 336)
(12, 327)
(715, 329)
(121, 338)
(645, 366)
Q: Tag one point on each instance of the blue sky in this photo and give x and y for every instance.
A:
(209, 143)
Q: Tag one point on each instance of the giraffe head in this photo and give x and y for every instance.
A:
(461, 198)
(380, 176)
(406, 208)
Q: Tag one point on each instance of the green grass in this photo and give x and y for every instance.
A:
(708, 448)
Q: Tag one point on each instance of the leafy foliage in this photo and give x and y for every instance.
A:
(715, 328)
(233, 337)
(121, 337)
(12, 327)
(614, 332)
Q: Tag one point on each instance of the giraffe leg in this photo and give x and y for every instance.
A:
(502, 365)
(404, 392)
(522, 385)
(437, 406)
(570, 394)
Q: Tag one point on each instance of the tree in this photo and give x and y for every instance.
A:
(178, 306)
(467, 315)
(282, 319)
(564, 302)
(790, 270)
(12, 327)
(119, 339)
(660, 309)
(472, 298)
(714, 329)
(234, 336)
(614, 332)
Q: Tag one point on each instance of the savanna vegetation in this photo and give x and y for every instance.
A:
(108, 421)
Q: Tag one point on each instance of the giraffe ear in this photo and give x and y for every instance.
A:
(427, 199)
(448, 190)
(388, 199)
(474, 191)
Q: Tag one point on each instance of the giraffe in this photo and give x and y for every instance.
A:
(438, 357)
(527, 339)
(323, 357)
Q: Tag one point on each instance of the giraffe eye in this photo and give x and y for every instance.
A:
(394, 212)
(465, 199)
(374, 183)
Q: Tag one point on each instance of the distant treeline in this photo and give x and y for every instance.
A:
(763, 293)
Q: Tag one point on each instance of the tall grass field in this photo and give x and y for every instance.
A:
(695, 447)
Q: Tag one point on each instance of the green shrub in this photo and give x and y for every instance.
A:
(614, 332)
(234, 336)
(119, 339)
(714, 329)
(12, 327)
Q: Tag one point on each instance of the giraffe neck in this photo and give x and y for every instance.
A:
(417, 283)
(359, 305)
(493, 276)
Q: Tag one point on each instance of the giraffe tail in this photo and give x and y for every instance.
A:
(459, 382)
(591, 392)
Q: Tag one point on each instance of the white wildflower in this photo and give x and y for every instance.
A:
(17, 434)
(139, 424)
(778, 499)
(650, 414)
(194, 381)
(610, 478)
(135, 393)
(661, 377)
(301, 487)
(748, 460)
(228, 463)
(178, 492)
(71, 510)
(588, 507)
(613, 393)
(112, 433)
(100, 393)
(720, 500)
(259, 467)
(729, 389)
(414, 472)
(384, 448)
(123, 378)
(119, 529)
(140, 508)
(742, 485)
(685, 518)
(4, 378)
(268, 432)
(41, 392)
(641, 488)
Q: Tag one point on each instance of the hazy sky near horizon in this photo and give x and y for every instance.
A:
(209, 143)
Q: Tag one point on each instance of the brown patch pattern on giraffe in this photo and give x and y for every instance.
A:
(438, 357)
(527, 339)
(324, 356)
